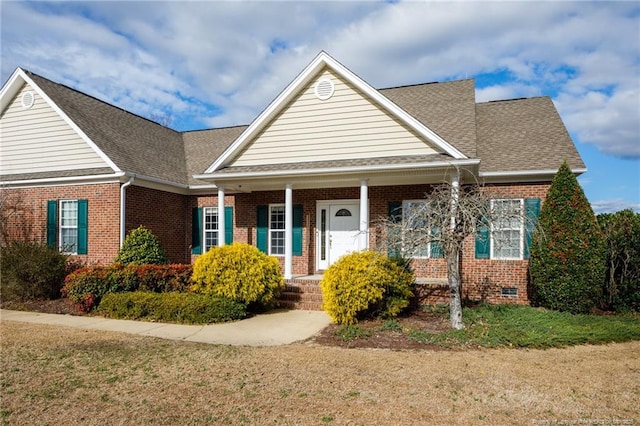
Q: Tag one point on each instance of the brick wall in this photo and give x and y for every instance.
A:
(30, 221)
(164, 213)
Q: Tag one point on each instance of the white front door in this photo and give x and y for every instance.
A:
(338, 231)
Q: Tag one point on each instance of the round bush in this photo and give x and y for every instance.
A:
(31, 271)
(141, 247)
(238, 272)
(365, 283)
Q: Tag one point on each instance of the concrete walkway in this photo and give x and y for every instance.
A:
(270, 329)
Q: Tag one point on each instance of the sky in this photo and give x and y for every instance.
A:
(198, 65)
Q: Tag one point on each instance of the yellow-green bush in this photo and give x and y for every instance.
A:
(365, 283)
(238, 272)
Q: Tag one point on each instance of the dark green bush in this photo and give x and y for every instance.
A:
(141, 247)
(621, 291)
(239, 272)
(188, 308)
(31, 271)
(364, 284)
(567, 257)
(85, 287)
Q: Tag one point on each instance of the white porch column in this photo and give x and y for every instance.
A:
(221, 230)
(288, 231)
(364, 214)
(455, 193)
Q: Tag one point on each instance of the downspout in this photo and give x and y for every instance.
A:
(123, 199)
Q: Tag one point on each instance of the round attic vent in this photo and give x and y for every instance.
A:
(324, 89)
(27, 100)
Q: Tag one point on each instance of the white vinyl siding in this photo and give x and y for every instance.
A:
(39, 140)
(507, 234)
(346, 126)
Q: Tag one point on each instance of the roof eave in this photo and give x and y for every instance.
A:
(524, 175)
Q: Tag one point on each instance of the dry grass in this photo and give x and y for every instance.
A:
(55, 375)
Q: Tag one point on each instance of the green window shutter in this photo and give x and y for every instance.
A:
(196, 230)
(483, 238)
(52, 223)
(531, 211)
(83, 226)
(228, 224)
(436, 247)
(395, 216)
(262, 228)
(297, 230)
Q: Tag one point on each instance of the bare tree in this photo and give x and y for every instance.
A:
(441, 222)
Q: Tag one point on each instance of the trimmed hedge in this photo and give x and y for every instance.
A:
(365, 283)
(239, 272)
(184, 308)
(141, 247)
(86, 287)
(31, 271)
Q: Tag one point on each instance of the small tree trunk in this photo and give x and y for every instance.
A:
(455, 302)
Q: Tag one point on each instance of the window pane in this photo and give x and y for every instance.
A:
(277, 217)
(416, 237)
(507, 229)
(277, 242)
(69, 240)
(506, 244)
(69, 213)
(210, 228)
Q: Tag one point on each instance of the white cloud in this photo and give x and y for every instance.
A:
(234, 58)
(615, 205)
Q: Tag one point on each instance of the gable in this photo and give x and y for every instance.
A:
(347, 126)
(37, 139)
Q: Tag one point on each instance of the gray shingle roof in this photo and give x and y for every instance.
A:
(446, 108)
(133, 143)
(202, 147)
(514, 135)
(396, 160)
(523, 134)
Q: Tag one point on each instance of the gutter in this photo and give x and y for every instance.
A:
(123, 199)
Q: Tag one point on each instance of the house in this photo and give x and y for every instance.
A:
(305, 181)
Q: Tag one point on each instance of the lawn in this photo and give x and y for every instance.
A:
(56, 375)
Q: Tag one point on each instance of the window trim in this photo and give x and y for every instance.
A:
(270, 230)
(205, 247)
(61, 247)
(521, 230)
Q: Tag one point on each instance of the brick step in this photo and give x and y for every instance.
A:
(301, 294)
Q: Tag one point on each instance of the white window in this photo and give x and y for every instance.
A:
(210, 228)
(276, 229)
(69, 226)
(416, 238)
(507, 233)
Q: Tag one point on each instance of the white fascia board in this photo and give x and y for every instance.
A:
(66, 118)
(527, 173)
(324, 59)
(64, 181)
(339, 170)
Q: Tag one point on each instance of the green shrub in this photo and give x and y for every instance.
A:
(187, 308)
(567, 263)
(31, 271)
(621, 290)
(141, 247)
(85, 287)
(365, 283)
(238, 272)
